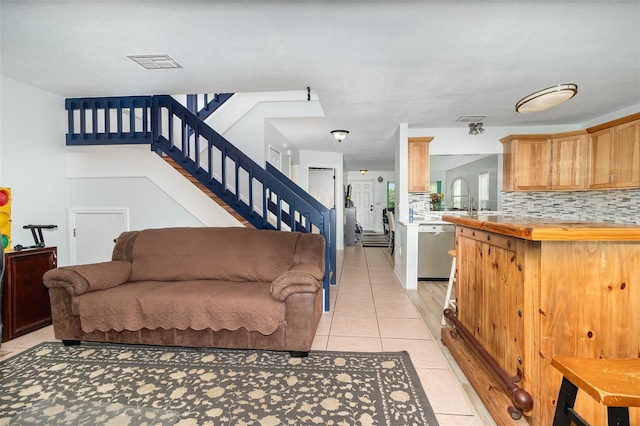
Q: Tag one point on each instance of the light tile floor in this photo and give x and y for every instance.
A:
(370, 311)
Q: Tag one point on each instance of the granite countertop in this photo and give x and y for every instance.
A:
(539, 229)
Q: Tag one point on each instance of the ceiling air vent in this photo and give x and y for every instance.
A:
(155, 62)
(471, 118)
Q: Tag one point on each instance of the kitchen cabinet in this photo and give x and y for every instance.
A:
(531, 288)
(25, 299)
(569, 161)
(419, 164)
(545, 162)
(526, 162)
(614, 154)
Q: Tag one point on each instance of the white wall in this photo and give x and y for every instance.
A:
(379, 192)
(242, 119)
(34, 165)
(457, 140)
(447, 141)
(155, 193)
(32, 129)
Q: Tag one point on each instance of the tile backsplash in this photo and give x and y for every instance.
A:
(419, 202)
(617, 206)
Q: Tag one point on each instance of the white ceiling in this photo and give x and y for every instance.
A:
(373, 64)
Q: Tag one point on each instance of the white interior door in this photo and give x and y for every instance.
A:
(275, 158)
(93, 232)
(322, 186)
(362, 196)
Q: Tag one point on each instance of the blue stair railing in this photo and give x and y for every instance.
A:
(209, 105)
(101, 121)
(315, 204)
(268, 200)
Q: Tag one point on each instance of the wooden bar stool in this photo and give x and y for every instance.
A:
(614, 383)
(450, 302)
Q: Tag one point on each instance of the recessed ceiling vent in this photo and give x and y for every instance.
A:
(471, 118)
(155, 62)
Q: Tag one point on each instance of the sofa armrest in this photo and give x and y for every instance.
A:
(304, 278)
(82, 279)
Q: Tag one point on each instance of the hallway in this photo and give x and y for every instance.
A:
(371, 311)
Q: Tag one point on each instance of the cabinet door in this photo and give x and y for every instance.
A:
(490, 295)
(25, 304)
(625, 156)
(568, 162)
(600, 147)
(419, 164)
(531, 164)
(507, 164)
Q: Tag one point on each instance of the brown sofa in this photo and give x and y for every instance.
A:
(199, 287)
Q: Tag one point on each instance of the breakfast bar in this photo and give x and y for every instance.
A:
(528, 289)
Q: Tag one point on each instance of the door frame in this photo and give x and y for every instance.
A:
(333, 171)
(74, 211)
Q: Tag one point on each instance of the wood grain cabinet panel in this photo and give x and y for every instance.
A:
(490, 295)
(527, 162)
(545, 162)
(419, 164)
(25, 299)
(569, 161)
(614, 155)
(601, 157)
(526, 301)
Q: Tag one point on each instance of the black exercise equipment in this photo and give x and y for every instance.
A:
(38, 239)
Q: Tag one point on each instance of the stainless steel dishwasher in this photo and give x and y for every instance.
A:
(434, 243)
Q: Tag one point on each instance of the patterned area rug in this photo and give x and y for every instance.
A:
(101, 384)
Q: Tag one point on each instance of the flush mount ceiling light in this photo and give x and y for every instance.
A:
(339, 134)
(363, 171)
(547, 98)
(475, 129)
(155, 62)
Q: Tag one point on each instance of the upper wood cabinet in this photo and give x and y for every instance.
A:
(614, 154)
(545, 162)
(419, 164)
(569, 161)
(526, 162)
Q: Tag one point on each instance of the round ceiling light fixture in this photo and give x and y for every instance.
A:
(339, 134)
(547, 98)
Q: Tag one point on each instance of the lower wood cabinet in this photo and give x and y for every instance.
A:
(25, 299)
(525, 301)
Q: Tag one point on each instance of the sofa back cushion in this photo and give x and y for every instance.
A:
(231, 254)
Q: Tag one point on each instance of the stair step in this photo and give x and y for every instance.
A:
(206, 190)
(374, 239)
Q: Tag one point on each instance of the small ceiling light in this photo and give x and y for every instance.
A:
(547, 98)
(475, 129)
(363, 171)
(339, 134)
(155, 62)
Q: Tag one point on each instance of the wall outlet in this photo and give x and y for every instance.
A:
(530, 205)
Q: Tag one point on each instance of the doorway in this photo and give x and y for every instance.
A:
(93, 233)
(322, 185)
(362, 196)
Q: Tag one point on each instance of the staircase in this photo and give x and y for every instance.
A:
(207, 191)
(264, 199)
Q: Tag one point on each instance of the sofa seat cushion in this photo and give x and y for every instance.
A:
(198, 305)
